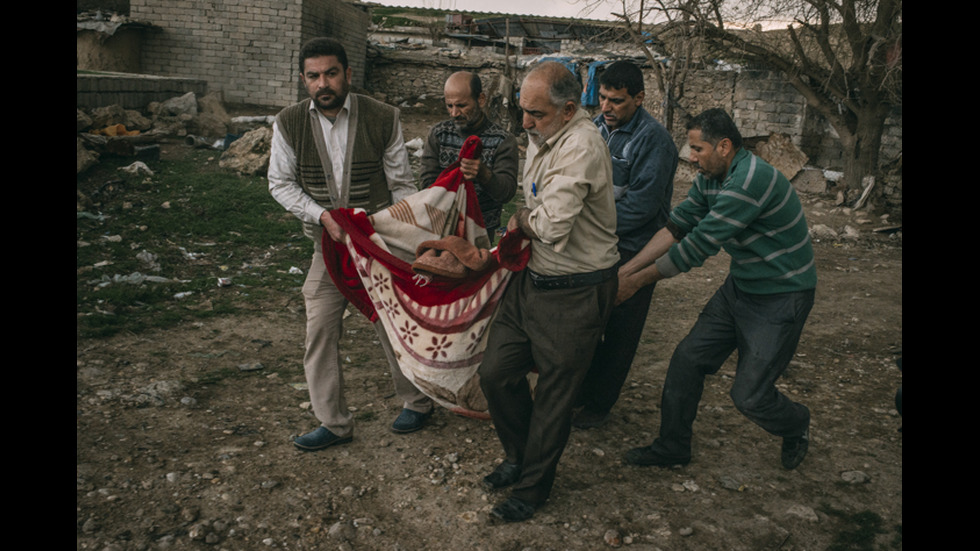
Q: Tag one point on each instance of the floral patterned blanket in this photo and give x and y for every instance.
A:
(438, 326)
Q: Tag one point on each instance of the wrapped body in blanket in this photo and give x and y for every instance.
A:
(437, 314)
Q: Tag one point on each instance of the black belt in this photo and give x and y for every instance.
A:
(549, 283)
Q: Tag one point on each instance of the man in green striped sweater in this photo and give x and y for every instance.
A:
(742, 204)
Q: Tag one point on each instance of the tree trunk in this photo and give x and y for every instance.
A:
(862, 145)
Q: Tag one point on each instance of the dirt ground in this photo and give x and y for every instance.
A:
(174, 454)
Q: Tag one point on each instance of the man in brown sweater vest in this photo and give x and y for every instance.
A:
(338, 150)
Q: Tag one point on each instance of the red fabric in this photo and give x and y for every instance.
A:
(437, 326)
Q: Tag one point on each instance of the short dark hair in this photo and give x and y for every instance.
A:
(322, 46)
(476, 86)
(715, 125)
(623, 74)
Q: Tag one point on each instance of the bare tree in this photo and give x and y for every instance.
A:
(843, 56)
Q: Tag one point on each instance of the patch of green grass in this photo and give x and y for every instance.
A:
(194, 222)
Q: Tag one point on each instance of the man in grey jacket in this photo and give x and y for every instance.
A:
(644, 160)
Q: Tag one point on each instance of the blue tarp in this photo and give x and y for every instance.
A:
(568, 62)
(590, 95)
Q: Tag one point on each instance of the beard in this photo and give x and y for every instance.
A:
(539, 137)
(464, 124)
(328, 99)
(536, 138)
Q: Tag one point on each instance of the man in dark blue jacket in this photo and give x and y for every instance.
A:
(644, 159)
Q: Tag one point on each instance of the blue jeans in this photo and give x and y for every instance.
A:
(765, 329)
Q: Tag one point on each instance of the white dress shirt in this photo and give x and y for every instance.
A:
(282, 165)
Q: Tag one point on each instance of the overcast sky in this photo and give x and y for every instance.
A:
(551, 8)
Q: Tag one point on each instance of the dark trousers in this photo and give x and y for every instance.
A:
(765, 329)
(555, 331)
(614, 353)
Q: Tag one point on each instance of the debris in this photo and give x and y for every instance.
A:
(855, 477)
(811, 180)
(115, 130)
(821, 231)
(250, 153)
(136, 169)
(780, 152)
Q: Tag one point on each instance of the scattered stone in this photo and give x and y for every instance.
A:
(729, 483)
(855, 477)
(613, 538)
(138, 168)
(686, 531)
(821, 231)
(851, 232)
(149, 260)
(256, 366)
(811, 180)
(181, 105)
(249, 154)
(780, 152)
(83, 120)
(341, 530)
(803, 512)
(84, 158)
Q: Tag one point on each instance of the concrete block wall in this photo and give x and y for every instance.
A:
(340, 20)
(131, 91)
(765, 103)
(248, 51)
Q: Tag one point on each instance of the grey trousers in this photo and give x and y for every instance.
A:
(325, 307)
(765, 329)
(554, 331)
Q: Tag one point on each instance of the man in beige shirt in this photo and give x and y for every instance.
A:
(553, 313)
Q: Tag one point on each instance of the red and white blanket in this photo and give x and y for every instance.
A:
(437, 324)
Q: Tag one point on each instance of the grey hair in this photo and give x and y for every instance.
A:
(564, 85)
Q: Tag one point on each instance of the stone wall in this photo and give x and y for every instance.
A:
(398, 77)
(247, 51)
(761, 102)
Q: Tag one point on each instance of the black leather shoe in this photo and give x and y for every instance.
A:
(319, 439)
(512, 510)
(409, 421)
(646, 457)
(794, 449)
(504, 475)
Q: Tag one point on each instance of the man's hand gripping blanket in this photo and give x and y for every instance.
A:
(437, 325)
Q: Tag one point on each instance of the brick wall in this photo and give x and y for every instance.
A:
(248, 51)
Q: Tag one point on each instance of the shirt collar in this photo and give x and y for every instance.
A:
(344, 109)
(627, 128)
